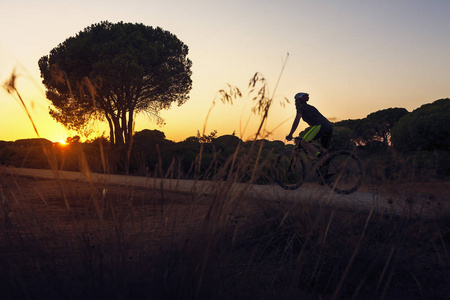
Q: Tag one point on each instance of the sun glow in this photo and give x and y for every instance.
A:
(62, 142)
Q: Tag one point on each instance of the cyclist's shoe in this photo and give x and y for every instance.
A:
(315, 157)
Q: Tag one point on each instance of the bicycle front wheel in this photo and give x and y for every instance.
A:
(289, 170)
(343, 172)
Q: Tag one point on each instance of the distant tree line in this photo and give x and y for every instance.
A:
(418, 141)
(394, 138)
(151, 154)
(426, 128)
(374, 129)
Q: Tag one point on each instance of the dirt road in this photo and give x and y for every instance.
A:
(401, 201)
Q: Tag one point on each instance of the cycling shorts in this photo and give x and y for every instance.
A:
(319, 131)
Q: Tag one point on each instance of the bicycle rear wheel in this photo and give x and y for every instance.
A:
(289, 170)
(343, 172)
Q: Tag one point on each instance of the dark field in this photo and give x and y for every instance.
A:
(75, 240)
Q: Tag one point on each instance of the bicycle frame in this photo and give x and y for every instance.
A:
(341, 170)
(314, 165)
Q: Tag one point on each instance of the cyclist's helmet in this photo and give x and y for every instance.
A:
(301, 96)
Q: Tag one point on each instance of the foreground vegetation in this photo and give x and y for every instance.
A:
(120, 242)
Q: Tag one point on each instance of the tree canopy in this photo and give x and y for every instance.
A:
(380, 123)
(110, 72)
(426, 128)
(376, 127)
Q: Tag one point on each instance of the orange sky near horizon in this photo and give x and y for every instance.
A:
(353, 57)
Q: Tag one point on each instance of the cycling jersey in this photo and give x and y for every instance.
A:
(321, 127)
(312, 116)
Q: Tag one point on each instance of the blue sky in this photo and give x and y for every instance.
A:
(353, 57)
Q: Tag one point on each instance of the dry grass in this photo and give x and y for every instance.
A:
(209, 247)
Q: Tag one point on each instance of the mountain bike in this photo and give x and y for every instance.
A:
(340, 170)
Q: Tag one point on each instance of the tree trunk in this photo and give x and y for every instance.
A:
(123, 120)
(118, 132)
(130, 125)
(111, 130)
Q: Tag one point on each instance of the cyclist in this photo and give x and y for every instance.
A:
(320, 126)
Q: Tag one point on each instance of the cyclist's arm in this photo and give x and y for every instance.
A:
(295, 124)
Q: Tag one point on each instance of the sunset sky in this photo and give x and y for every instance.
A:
(353, 57)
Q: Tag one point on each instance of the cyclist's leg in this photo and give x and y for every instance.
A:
(325, 139)
(308, 137)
